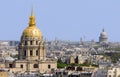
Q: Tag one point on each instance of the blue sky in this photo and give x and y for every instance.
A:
(64, 19)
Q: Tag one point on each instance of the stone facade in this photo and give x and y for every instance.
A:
(4, 74)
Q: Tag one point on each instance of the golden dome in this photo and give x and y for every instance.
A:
(32, 31)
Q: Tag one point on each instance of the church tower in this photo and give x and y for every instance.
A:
(31, 46)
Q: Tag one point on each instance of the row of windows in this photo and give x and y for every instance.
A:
(31, 53)
(35, 66)
(31, 42)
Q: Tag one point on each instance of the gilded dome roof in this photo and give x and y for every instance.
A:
(32, 31)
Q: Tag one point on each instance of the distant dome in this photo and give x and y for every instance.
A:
(103, 34)
(103, 37)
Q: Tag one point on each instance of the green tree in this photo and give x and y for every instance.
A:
(60, 64)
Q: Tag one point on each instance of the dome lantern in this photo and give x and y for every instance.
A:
(32, 19)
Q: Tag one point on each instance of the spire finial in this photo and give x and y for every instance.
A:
(32, 11)
(32, 18)
(103, 30)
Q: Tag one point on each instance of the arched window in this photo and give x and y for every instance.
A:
(35, 66)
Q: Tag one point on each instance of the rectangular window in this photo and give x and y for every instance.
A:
(31, 52)
(36, 52)
(25, 53)
(21, 66)
(31, 43)
(49, 66)
(35, 65)
(36, 42)
(25, 42)
(10, 66)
